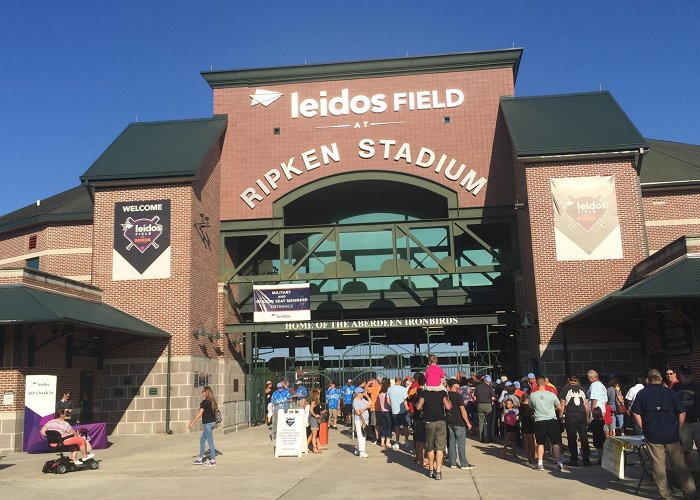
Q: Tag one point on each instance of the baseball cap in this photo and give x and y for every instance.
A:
(298, 382)
(503, 378)
(530, 375)
(487, 378)
(509, 383)
(516, 384)
(280, 385)
(331, 383)
(358, 390)
(349, 380)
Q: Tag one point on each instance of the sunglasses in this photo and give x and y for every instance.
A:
(670, 373)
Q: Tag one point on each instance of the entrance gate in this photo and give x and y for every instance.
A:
(364, 361)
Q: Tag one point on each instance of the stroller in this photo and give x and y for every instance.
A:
(64, 464)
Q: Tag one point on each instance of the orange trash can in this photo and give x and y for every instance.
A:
(323, 434)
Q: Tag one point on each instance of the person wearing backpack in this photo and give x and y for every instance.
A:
(574, 412)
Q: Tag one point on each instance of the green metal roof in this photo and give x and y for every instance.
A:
(672, 162)
(676, 281)
(157, 150)
(72, 205)
(508, 58)
(22, 304)
(569, 124)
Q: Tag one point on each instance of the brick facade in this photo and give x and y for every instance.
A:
(474, 136)
(670, 214)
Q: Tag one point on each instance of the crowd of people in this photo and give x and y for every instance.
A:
(527, 415)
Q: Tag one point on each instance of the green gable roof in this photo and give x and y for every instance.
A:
(569, 124)
(670, 162)
(72, 205)
(676, 281)
(508, 58)
(23, 304)
(157, 150)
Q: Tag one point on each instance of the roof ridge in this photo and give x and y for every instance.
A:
(183, 120)
(546, 96)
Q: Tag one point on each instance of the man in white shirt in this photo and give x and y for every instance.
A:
(597, 393)
(629, 400)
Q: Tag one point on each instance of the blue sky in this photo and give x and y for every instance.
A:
(74, 74)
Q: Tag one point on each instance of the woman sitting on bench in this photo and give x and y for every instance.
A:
(69, 435)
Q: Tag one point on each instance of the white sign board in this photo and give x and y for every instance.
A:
(40, 394)
(290, 433)
(613, 457)
(8, 398)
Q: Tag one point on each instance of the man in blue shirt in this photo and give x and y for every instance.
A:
(333, 396)
(300, 394)
(348, 395)
(660, 414)
(280, 401)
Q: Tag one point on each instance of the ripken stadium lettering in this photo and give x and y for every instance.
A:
(367, 148)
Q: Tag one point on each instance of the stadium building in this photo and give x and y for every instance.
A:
(429, 209)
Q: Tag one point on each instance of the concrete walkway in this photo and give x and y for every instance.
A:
(159, 466)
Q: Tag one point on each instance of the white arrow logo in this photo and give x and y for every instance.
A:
(264, 97)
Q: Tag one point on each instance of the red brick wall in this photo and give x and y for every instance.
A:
(563, 287)
(250, 149)
(670, 214)
(59, 239)
(161, 302)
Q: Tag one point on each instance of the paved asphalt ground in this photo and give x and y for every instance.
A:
(159, 466)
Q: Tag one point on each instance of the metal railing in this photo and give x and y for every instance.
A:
(236, 415)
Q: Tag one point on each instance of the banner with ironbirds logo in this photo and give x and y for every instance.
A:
(141, 240)
(586, 226)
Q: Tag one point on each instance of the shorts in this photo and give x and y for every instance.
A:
(313, 423)
(333, 413)
(347, 409)
(418, 430)
(400, 419)
(512, 428)
(372, 417)
(435, 436)
(74, 440)
(548, 429)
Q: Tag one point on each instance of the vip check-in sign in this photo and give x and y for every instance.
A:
(282, 303)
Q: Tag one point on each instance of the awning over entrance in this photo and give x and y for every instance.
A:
(22, 304)
(677, 281)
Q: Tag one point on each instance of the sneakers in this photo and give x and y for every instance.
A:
(431, 474)
(78, 462)
(468, 466)
(197, 461)
(453, 466)
(539, 466)
(90, 455)
(438, 476)
(395, 446)
(363, 455)
(561, 467)
(210, 463)
(357, 452)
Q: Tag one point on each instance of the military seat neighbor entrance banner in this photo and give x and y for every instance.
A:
(586, 226)
(141, 240)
